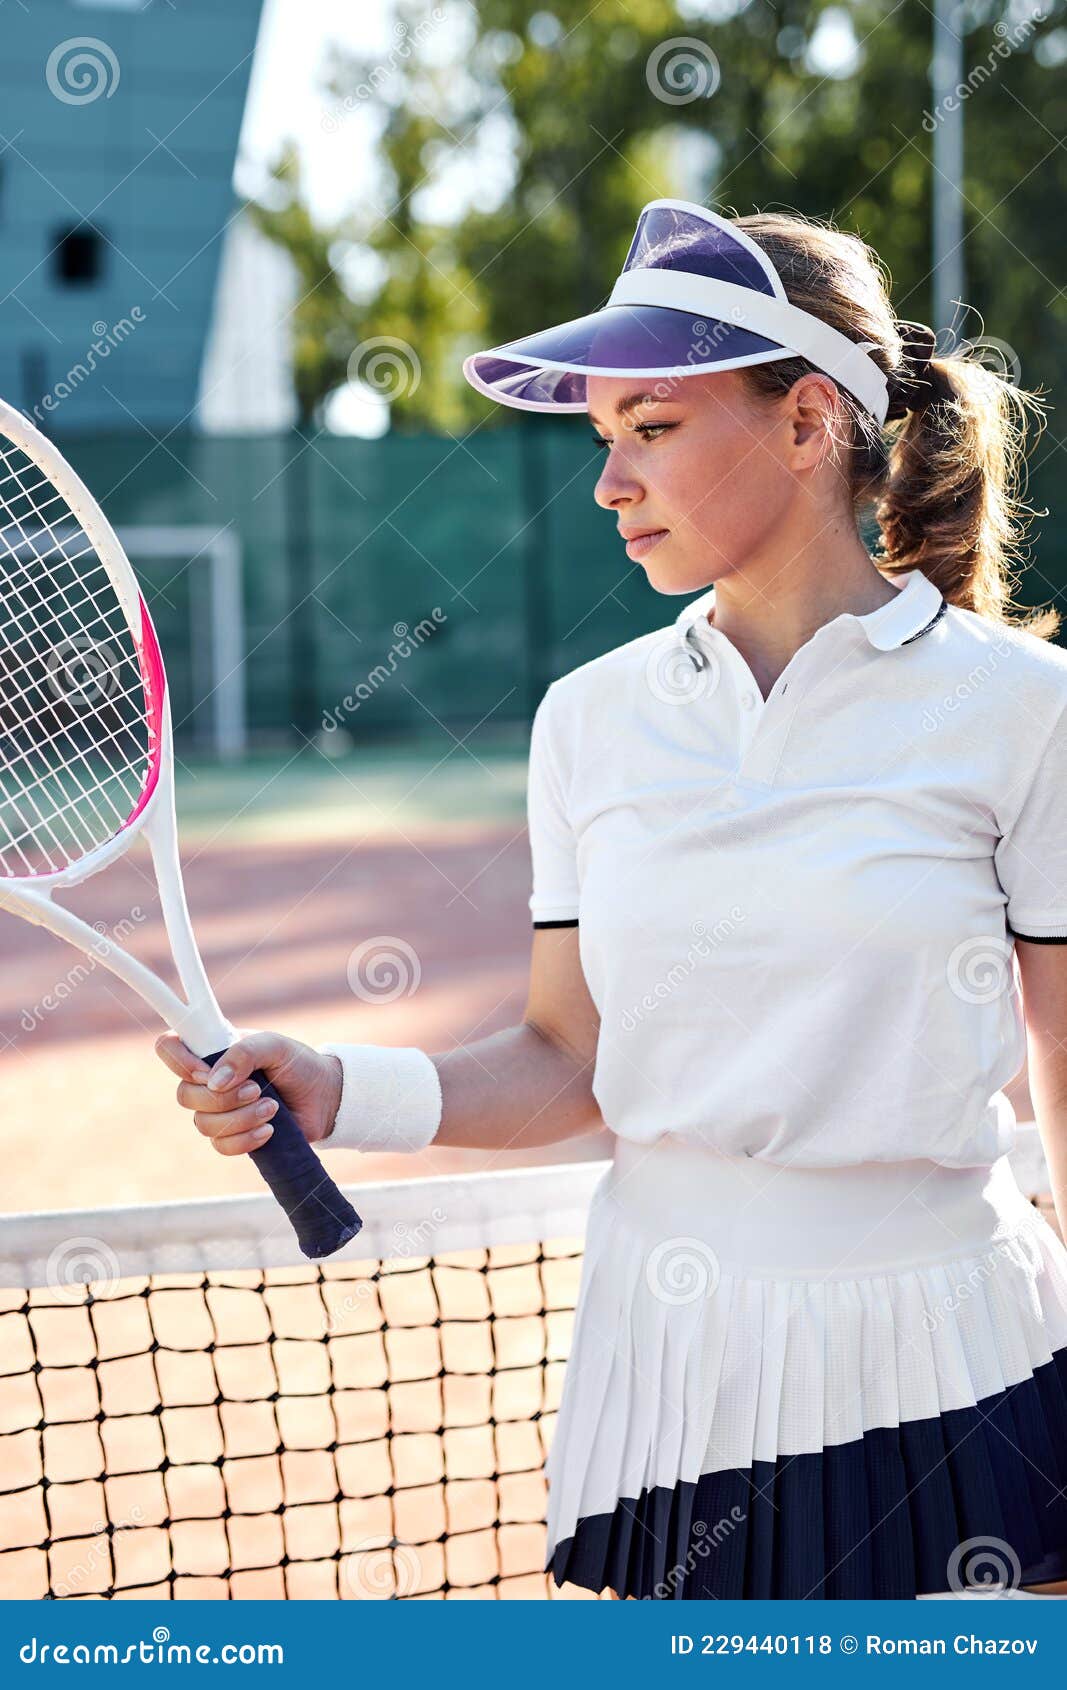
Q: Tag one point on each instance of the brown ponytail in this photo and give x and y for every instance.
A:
(945, 482)
(950, 504)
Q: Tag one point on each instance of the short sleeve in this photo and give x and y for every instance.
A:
(1031, 858)
(554, 899)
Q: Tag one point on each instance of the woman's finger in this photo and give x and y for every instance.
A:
(240, 1129)
(245, 1055)
(192, 1096)
(243, 1143)
(180, 1059)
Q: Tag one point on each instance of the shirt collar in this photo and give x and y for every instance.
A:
(917, 606)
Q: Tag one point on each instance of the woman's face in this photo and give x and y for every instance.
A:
(709, 468)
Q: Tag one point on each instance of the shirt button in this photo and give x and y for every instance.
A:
(748, 700)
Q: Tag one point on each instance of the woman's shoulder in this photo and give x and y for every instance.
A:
(615, 668)
(1007, 658)
(581, 711)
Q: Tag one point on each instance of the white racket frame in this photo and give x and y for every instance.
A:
(198, 1021)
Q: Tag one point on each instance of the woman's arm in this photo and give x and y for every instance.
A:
(1043, 972)
(525, 1086)
(531, 1084)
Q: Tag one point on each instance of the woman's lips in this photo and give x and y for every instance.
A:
(639, 548)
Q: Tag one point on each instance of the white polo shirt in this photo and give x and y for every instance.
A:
(796, 916)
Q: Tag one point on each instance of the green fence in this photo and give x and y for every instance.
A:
(425, 580)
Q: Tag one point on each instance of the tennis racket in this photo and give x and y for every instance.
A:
(87, 767)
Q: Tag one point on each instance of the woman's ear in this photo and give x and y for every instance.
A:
(813, 404)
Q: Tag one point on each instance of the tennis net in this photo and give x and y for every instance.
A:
(188, 1409)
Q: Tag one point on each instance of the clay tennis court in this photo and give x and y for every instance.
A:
(291, 864)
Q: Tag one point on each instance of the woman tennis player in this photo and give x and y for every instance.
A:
(799, 862)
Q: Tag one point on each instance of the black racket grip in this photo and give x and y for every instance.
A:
(323, 1218)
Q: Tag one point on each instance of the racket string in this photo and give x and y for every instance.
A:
(50, 611)
(24, 792)
(21, 670)
(75, 741)
(70, 806)
(70, 771)
(39, 747)
(36, 508)
(57, 540)
(54, 616)
(27, 788)
(53, 666)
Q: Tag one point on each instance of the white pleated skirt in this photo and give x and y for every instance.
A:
(793, 1382)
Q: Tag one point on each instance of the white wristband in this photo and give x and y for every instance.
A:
(390, 1098)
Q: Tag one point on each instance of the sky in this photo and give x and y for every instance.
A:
(286, 102)
(284, 98)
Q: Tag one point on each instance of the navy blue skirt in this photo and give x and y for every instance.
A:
(811, 1382)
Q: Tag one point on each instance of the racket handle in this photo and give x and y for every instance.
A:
(323, 1218)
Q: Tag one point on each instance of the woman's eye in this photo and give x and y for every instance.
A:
(647, 431)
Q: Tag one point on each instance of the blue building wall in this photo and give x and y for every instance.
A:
(116, 162)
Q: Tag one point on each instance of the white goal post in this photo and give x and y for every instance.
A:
(216, 631)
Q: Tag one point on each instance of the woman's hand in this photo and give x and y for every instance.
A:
(226, 1102)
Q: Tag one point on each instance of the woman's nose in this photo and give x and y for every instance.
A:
(616, 485)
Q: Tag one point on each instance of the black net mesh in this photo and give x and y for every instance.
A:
(373, 1430)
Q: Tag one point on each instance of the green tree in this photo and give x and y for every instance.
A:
(324, 320)
(591, 112)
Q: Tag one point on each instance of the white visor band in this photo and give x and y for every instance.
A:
(776, 319)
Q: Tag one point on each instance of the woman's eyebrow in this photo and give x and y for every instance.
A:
(631, 401)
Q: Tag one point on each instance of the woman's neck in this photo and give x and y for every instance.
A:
(768, 614)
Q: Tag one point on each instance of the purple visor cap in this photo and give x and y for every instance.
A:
(684, 263)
